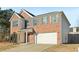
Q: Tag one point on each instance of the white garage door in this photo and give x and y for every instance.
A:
(47, 38)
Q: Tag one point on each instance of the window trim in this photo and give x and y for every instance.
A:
(35, 22)
(71, 29)
(77, 29)
(54, 20)
(13, 23)
(45, 21)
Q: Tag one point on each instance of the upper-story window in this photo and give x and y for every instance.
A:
(40, 21)
(71, 30)
(45, 20)
(26, 24)
(15, 23)
(53, 19)
(77, 29)
(34, 22)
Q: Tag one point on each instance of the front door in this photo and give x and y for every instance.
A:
(30, 38)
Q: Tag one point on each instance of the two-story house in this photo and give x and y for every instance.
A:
(48, 28)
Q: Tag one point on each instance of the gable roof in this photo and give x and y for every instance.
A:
(27, 12)
(20, 16)
(65, 17)
(55, 12)
(15, 14)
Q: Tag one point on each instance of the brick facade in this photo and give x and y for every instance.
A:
(40, 28)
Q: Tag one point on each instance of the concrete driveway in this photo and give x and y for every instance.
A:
(29, 48)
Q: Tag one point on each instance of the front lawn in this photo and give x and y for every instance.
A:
(6, 45)
(63, 48)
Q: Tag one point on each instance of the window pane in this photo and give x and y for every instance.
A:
(39, 21)
(15, 23)
(53, 19)
(77, 29)
(45, 20)
(34, 22)
(28, 23)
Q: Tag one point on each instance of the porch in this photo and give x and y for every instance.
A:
(26, 36)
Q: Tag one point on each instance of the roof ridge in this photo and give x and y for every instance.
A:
(28, 12)
(50, 12)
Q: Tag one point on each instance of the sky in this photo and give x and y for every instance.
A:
(72, 13)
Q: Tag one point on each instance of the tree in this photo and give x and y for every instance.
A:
(5, 15)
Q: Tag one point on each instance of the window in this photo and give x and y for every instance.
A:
(45, 20)
(71, 29)
(40, 21)
(53, 19)
(15, 23)
(26, 23)
(77, 29)
(34, 22)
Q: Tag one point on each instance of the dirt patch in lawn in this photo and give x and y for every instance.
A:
(6, 45)
(63, 48)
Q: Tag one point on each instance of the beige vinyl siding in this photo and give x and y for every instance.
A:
(64, 29)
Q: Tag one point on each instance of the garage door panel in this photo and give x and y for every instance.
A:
(47, 38)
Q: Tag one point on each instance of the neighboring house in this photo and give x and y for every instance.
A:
(73, 36)
(49, 28)
(74, 30)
